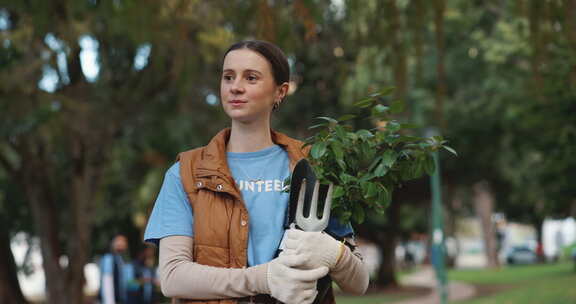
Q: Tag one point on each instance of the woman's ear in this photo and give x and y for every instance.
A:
(283, 91)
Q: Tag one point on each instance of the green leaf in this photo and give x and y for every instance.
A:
(429, 166)
(347, 178)
(366, 177)
(371, 190)
(379, 109)
(318, 150)
(450, 150)
(352, 136)
(381, 170)
(364, 103)
(317, 126)
(419, 167)
(337, 149)
(340, 132)
(387, 91)
(383, 196)
(345, 218)
(346, 117)
(389, 158)
(364, 134)
(364, 186)
(392, 126)
(328, 119)
(338, 192)
(374, 163)
(341, 163)
(367, 152)
(359, 214)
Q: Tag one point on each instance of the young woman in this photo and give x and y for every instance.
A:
(219, 217)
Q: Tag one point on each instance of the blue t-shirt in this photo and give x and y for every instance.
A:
(260, 177)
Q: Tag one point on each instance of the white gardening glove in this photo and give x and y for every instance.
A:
(291, 285)
(318, 248)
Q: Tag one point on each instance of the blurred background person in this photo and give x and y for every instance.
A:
(113, 272)
(143, 283)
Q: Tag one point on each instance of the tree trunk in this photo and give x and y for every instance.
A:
(85, 182)
(520, 8)
(537, 43)
(569, 8)
(439, 9)
(37, 185)
(10, 291)
(484, 204)
(418, 29)
(537, 222)
(397, 49)
(387, 271)
(417, 25)
(386, 238)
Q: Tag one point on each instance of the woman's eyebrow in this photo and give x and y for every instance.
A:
(252, 71)
(245, 71)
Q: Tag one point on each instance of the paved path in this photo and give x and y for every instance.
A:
(426, 278)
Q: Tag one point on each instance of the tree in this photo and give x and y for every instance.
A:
(13, 217)
(63, 131)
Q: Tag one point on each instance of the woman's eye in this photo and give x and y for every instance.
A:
(227, 77)
(251, 78)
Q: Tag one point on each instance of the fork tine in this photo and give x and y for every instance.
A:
(301, 196)
(328, 202)
(314, 202)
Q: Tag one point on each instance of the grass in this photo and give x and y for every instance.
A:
(369, 299)
(531, 284)
(380, 298)
(511, 274)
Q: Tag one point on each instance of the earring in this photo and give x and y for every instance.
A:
(276, 105)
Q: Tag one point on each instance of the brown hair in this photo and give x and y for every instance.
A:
(272, 53)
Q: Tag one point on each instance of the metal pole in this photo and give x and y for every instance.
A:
(438, 248)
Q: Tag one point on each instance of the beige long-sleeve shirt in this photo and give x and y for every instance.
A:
(180, 277)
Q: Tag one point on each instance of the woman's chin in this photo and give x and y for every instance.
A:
(246, 118)
(241, 118)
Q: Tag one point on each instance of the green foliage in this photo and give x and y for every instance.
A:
(366, 165)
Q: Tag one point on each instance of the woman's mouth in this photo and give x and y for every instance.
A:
(237, 102)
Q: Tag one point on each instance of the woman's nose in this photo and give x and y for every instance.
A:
(237, 87)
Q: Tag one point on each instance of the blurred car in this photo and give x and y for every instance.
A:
(521, 255)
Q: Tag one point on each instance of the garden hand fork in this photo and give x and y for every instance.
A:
(312, 222)
(304, 176)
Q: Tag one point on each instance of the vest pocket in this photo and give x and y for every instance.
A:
(212, 256)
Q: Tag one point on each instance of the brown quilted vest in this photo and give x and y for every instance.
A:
(220, 217)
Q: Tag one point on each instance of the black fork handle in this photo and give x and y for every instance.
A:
(302, 171)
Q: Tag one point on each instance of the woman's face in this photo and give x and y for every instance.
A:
(247, 88)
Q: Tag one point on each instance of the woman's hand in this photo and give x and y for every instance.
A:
(290, 284)
(318, 248)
